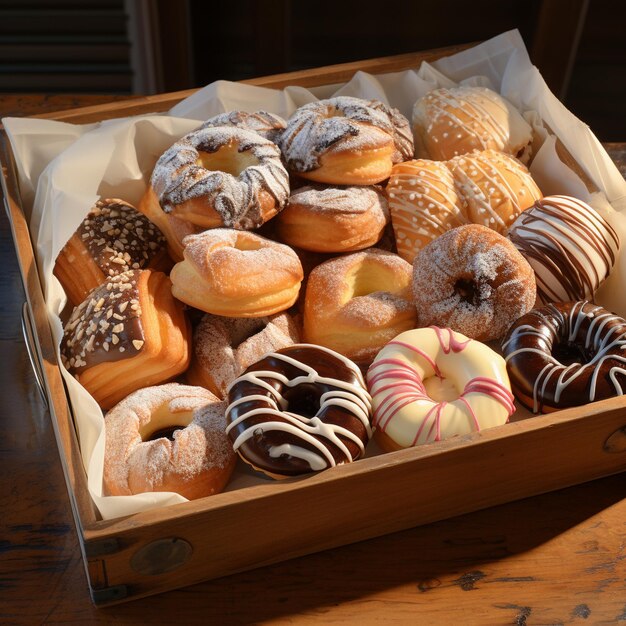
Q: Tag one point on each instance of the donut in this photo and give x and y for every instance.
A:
(298, 410)
(355, 304)
(430, 384)
(571, 247)
(129, 332)
(223, 347)
(219, 176)
(423, 203)
(236, 274)
(566, 354)
(167, 438)
(449, 122)
(333, 219)
(112, 238)
(266, 124)
(346, 141)
(496, 187)
(473, 280)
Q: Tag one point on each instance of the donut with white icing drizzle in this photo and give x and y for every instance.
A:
(346, 141)
(300, 409)
(430, 384)
(566, 354)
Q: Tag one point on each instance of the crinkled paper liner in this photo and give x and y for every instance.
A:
(64, 168)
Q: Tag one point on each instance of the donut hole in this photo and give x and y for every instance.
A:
(228, 159)
(567, 352)
(303, 400)
(368, 279)
(468, 290)
(441, 389)
(247, 243)
(165, 423)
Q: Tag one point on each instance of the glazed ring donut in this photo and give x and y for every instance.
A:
(333, 219)
(355, 304)
(566, 354)
(219, 176)
(225, 346)
(167, 438)
(266, 124)
(430, 384)
(346, 141)
(473, 280)
(237, 274)
(300, 409)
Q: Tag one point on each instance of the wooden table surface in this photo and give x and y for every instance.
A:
(558, 558)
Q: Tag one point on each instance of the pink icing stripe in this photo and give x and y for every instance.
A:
(492, 388)
(453, 344)
(382, 417)
(471, 410)
(423, 354)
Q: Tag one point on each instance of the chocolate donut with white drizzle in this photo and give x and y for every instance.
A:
(300, 409)
(566, 354)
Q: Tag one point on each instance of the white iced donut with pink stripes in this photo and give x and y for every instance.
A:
(433, 383)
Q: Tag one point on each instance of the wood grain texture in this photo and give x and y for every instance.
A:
(557, 558)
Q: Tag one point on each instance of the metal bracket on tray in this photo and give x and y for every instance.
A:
(31, 350)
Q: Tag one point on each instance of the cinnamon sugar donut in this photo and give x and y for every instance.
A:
(449, 122)
(266, 124)
(112, 238)
(167, 438)
(474, 281)
(355, 304)
(346, 141)
(333, 219)
(219, 176)
(225, 346)
(237, 273)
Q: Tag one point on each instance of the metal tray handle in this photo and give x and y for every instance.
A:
(31, 350)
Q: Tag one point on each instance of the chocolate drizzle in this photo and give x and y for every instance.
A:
(119, 237)
(594, 342)
(318, 126)
(179, 177)
(570, 247)
(268, 125)
(106, 326)
(300, 409)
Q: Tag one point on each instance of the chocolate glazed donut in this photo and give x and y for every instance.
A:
(566, 354)
(300, 409)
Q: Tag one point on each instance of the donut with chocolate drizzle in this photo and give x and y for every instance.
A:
(300, 409)
(566, 354)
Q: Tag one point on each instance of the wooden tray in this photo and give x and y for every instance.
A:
(175, 546)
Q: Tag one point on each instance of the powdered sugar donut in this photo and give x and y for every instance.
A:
(473, 280)
(167, 438)
(346, 141)
(431, 383)
(225, 346)
(268, 125)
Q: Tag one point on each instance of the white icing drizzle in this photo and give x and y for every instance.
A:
(351, 398)
(177, 177)
(606, 345)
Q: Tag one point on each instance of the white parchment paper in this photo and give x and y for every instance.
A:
(64, 168)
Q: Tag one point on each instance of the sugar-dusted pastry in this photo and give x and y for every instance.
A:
(571, 247)
(113, 238)
(356, 303)
(298, 410)
(268, 125)
(456, 121)
(333, 219)
(167, 438)
(430, 384)
(130, 332)
(474, 281)
(346, 141)
(237, 273)
(566, 354)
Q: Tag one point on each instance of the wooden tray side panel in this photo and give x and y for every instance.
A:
(460, 476)
(328, 75)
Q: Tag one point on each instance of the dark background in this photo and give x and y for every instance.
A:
(151, 46)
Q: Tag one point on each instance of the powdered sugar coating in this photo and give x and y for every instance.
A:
(474, 281)
(340, 199)
(178, 176)
(225, 346)
(268, 125)
(194, 449)
(342, 123)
